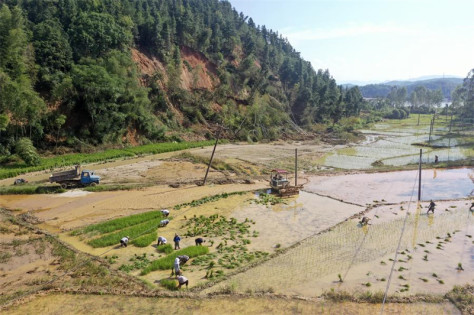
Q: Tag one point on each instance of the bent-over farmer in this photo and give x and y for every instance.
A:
(183, 259)
(176, 266)
(182, 280)
(199, 241)
(124, 241)
(165, 212)
(161, 241)
(164, 222)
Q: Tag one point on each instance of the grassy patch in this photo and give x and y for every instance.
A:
(133, 232)
(82, 158)
(144, 240)
(100, 188)
(167, 249)
(204, 200)
(170, 284)
(167, 262)
(137, 262)
(120, 223)
(30, 190)
(463, 298)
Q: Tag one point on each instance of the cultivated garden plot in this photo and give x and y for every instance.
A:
(433, 251)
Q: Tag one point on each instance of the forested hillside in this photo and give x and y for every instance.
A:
(133, 71)
(445, 85)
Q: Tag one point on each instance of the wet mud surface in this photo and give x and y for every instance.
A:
(87, 304)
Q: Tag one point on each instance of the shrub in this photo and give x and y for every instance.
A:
(25, 149)
(167, 262)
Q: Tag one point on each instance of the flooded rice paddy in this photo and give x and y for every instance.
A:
(356, 254)
(99, 304)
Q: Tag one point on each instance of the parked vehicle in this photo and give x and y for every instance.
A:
(75, 178)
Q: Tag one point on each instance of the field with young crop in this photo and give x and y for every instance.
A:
(16, 169)
(141, 228)
(349, 250)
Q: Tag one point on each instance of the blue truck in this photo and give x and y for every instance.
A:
(75, 178)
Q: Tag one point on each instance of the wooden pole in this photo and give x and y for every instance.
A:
(419, 177)
(296, 167)
(212, 156)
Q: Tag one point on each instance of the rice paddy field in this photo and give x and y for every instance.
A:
(264, 254)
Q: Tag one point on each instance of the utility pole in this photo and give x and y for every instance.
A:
(212, 155)
(419, 178)
(296, 167)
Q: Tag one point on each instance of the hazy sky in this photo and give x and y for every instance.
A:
(374, 40)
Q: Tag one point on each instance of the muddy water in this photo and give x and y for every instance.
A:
(69, 212)
(312, 267)
(294, 220)
(87, 304)
(395, 186)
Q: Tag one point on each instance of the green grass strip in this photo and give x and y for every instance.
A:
(204, 200)
(145, 240)
(16, 169)
(133, 232)
(167, 249)
(168, 261)
(30, 190)
(120, 223)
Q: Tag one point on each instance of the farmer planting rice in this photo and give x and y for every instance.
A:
(199, 241)
(165, 212)
(176, 266)
(364, 221)
(183, 259)
(124, 241)
(182, 280)
(161, 241)
(431, 207)
(176, 240)
(472, 207)
(164, 222)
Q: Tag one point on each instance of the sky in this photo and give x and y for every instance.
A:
(371, 41)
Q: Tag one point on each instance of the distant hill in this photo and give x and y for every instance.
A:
(447, 86)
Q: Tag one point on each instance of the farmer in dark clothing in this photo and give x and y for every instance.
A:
(183, 259)
(431, 207)
(199, 241)
(364, 221)
(472, 207)
(176, 240)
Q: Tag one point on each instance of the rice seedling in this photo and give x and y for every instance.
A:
(145, 240)
(167, 249)
(340, 277)
(421, 245)
(382, 279)
(401, 277)
(434, 275)
(138, 262)
(424, 279)
(383, 262)
(425, 258)
(440, 281)
(459, 267)
(204, 200)
(120, 223)
(470, 236)
(427, 251)
(133, 231)
(170, 284)
(402, 269)
(368, 284)
(167, 261)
